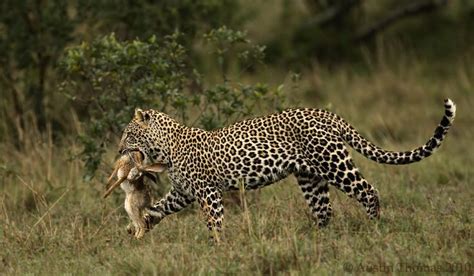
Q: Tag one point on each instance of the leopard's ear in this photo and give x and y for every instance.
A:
(141, 116)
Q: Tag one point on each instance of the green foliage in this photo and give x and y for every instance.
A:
(226, 44)
(109, 78)
(33, 35)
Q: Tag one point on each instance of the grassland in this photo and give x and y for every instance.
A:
(52, 222)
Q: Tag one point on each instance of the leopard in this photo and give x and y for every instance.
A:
(309, 143)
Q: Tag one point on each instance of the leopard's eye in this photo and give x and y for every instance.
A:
(131, 140)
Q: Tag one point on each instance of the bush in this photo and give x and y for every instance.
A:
(107, 79)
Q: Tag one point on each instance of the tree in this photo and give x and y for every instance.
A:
(33, 35)
(334, 30)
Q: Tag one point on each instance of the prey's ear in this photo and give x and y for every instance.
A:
(154, 168)
(137, 157)
(141, 116)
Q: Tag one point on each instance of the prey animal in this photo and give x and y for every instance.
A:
(130, 174)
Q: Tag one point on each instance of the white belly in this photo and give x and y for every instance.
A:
(128, 206)
(128, 188)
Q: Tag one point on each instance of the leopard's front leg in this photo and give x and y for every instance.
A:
(210, 199)
(174, 201)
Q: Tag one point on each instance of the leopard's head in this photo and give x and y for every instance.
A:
(146, 133)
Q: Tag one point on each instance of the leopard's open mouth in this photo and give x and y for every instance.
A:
(127, 150)
(130, 150)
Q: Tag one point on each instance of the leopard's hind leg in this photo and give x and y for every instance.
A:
(316, 193)
(210, 199)
(335, 165)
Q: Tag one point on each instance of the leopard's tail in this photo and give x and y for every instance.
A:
(371, 151)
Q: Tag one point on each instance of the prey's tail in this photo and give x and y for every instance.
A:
(371, 151)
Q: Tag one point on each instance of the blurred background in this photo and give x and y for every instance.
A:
(72, 72)
(48, 86)
(302, 37)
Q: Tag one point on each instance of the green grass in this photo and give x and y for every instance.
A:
(52, 222)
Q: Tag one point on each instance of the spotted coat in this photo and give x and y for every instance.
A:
(308, 143)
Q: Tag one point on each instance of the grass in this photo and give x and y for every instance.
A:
(52, 222)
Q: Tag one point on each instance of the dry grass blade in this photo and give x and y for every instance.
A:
(47, 212)
(246, 212)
